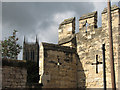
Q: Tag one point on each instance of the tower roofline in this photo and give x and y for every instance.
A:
(31, 43)
(36, 39)
(50, 46)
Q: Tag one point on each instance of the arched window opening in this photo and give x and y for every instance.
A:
(86, 25)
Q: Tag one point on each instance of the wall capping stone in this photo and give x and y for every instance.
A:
(89, 15)
(14, 63)
(67, 21)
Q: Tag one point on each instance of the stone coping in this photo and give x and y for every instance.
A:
(67, 21)
(30, 43)
(114, 7)
(49, 46)
(89, 15)
(14, 63)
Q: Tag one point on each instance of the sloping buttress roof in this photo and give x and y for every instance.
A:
(50, 46)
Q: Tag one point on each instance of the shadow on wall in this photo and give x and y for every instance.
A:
(32, 72)
(81, 77)
(61, 82)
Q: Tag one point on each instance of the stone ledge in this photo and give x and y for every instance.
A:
(114, 7)
(89, 15)
(14, 63)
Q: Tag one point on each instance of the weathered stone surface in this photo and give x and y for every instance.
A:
(59, 67)
(90, 44)
(67, 33)
(14, 75)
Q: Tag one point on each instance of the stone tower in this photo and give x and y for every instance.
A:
(31, 51)
(67, 33)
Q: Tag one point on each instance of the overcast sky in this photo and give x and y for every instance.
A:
(43, 18)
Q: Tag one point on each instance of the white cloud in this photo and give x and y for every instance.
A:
(49, 34)
(59, 17)
(44, 21)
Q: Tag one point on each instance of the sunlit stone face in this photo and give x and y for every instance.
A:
(60, 30)
(70, 29)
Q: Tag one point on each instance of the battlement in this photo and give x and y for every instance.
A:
(114, 7)
(89, 15)
(88, 22)
(66, 32)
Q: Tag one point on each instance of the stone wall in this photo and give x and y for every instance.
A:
(90, 44)
(60, 66)
(88, 47)
(14, 74)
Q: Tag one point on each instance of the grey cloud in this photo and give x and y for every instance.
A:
(0, 22)
(26, 16)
